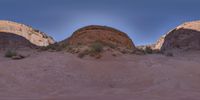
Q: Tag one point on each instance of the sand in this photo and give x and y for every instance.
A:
(64, 76)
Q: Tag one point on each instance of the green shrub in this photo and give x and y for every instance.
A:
(10, 53)
(96, 47)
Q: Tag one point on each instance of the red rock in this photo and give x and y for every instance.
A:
(108, 35)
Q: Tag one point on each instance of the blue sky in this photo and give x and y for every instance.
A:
(143, 20)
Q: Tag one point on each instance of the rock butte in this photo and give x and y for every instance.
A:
(34, 36)
(185, 37)
(92, 33)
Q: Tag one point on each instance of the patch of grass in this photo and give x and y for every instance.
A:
(10, 53)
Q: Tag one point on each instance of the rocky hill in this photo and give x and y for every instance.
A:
(95, 39)
(184, 37)
(93, 33)
(34, 36)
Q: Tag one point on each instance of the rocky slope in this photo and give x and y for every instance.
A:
(184, 37)
(34, 36)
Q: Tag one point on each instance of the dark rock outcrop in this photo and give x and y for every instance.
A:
(184, 37)
(10, 40)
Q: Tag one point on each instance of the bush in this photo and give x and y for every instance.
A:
(55, 47)
(148, 50)
(96, 47)
(10, 53)
(83, 54)
(111, 45)
(157, 51)
(94, 51)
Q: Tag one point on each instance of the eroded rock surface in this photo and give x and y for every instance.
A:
(13, 41)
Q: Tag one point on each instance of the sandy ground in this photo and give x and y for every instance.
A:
(63, 76)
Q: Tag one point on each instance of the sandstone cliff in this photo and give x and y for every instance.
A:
(34, 36)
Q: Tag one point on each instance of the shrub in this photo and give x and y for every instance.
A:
(10, 53)
(96, 47)
(94, 51)
(18, 57)
(157, 51)
(111, 45)
(55, 47)
(148, 50)
(45, 48)
(83, 54)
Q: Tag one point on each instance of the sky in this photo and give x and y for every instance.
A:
(143, 20)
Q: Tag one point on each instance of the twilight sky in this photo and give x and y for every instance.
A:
(143, 20)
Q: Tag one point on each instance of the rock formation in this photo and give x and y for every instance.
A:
(10, 40)
(34, 36)
(94, 39)
(184, 37)
(93, 33)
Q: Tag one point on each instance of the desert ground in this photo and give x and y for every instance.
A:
(63, 76)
